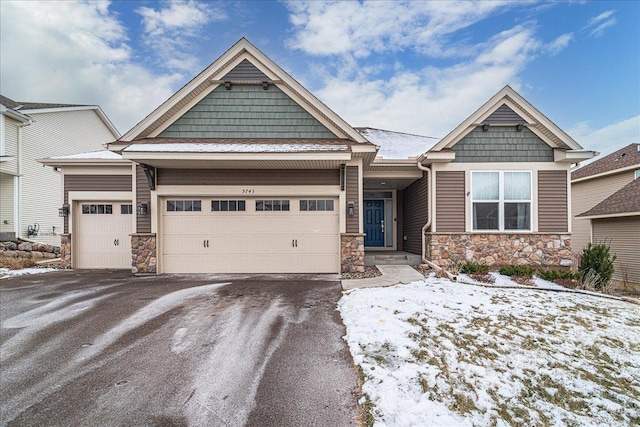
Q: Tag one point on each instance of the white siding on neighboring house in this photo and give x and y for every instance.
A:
(587, 194)
(6, 203)
(10, 146)
(55, 133)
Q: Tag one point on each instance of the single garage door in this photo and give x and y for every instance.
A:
(266, 235)
(102, 234)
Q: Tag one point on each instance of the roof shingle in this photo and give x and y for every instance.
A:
(624, 157)
(624, 201)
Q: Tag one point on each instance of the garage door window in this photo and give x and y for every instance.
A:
(97, 209)
(228, 205)
(184, 205)
(272, 205)
(126, 209)
(316, 205)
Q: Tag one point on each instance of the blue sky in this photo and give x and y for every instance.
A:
(417, 67)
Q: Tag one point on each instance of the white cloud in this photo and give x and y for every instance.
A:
(598, 24)
(559, 44)
(333, 28)
(433, 101)
(608, 138)
(169, 31)
(76, 52)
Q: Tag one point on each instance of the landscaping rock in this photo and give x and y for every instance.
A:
(25, 246)
(10, 246)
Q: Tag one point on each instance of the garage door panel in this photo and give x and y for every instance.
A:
(102, 239)
(251, 241)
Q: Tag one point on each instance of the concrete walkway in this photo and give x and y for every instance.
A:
(391, 275)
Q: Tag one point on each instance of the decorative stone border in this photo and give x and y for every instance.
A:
(29, 250)
(352, 253)
(143, 253)
(545, 250)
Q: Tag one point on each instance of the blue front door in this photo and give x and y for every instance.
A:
(374, 223)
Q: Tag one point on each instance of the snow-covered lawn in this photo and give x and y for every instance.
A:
(5, 273)
(438, 353)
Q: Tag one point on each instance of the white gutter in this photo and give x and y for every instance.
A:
(428, 224)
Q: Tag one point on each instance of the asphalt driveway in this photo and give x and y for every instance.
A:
(107, 348)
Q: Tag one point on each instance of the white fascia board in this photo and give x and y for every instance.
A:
(447, 155)
(83, 162)
(413, 173)
(573, 156)
(612, 215)
(15, 115)
(364, 148)
(142, 156)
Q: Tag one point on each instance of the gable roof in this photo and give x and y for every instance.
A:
(624, 202)
(45, 107)
(19, 105)
(242, 61)
(622, 159)
(518, 111)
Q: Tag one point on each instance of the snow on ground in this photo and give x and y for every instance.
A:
(438, 353)
(6, 273)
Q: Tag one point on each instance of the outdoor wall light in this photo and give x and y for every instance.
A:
(63, 211)
(485, 127)
(519, 127)
(351, 209)
(143, 209)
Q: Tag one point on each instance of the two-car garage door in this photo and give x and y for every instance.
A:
(250, 235)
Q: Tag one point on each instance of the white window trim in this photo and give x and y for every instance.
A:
(501, 201)
(2, 136)
(636, 174)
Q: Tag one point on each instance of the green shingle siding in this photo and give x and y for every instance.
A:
(502, 144)
(247, 111)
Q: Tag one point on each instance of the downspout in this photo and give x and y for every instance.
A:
(429, 216)
(428, 224)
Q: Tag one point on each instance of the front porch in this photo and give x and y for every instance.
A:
(391, 258)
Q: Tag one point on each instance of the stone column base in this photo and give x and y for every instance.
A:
(143, 253)
(352, 252)
(65, 250)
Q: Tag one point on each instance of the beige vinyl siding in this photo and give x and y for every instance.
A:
(10, 146)
(587, 194)
(54, 134)
(6, 203)
(552, 202)
(415, 214)
(450, 202)
(143, 195)
(248, 177)
(94, 183)
(623, 235)
(353, 195)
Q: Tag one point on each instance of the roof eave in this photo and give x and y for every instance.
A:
(573, 156)
(608, 215)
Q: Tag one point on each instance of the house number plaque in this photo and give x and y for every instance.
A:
(248, 191)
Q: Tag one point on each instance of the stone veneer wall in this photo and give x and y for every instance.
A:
(352, 252)
(65, 250)
(545, 250)
(143, 253)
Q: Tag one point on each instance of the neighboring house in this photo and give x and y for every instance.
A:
(30, 192)
(244, 170)
(605, 198)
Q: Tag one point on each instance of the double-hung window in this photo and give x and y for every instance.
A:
(501, 200)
